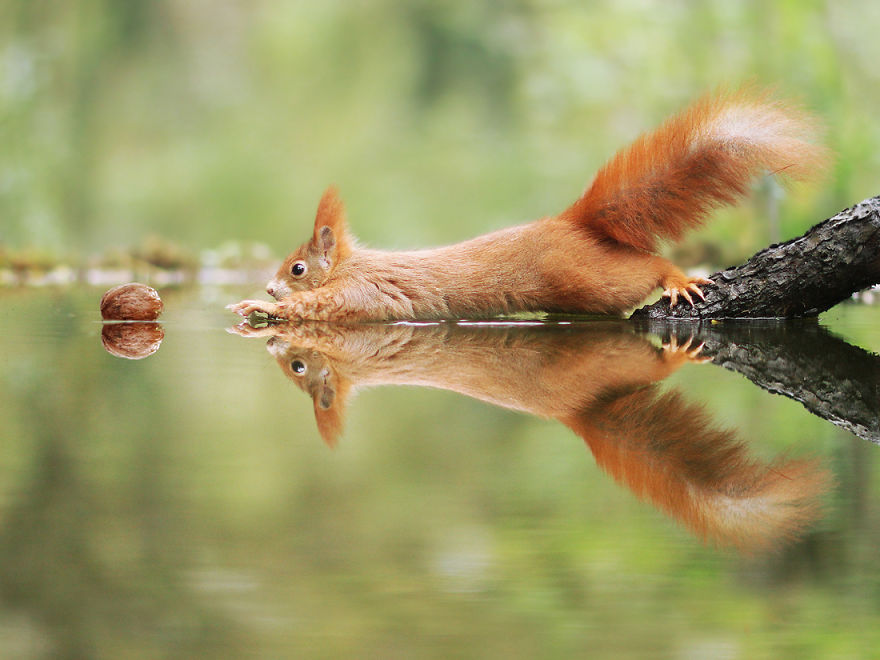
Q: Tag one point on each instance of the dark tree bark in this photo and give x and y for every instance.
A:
(801, 277)
(800, 360)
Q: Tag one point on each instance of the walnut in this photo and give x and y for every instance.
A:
(131, 302)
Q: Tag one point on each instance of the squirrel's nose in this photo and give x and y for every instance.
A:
(270, 290)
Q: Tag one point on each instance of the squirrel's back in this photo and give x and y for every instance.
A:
(667, 181)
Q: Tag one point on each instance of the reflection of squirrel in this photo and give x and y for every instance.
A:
(593, 257)
(600, 381)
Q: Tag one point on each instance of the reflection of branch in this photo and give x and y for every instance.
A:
(599, 379)
(800, 360)
(801, 277)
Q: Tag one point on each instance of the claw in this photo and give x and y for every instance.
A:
(693, 287)
(672, 294)
(684, 289)
(685, 351)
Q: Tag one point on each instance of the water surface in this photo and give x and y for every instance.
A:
(574, 491)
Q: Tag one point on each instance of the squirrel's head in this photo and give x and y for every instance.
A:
(310, 265)
(315, 374)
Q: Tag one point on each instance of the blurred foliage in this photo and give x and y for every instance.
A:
(206, 122)
(164, 254)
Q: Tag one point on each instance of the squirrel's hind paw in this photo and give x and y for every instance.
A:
(684, 286)
(678, 354)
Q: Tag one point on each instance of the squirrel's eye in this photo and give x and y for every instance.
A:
(298, 366)
(298, 269)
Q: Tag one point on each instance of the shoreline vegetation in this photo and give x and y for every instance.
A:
(157, 262)
(162, 263)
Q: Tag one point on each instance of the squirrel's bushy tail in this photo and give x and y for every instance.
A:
(667, 181)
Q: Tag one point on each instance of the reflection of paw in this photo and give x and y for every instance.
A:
(674, 353)
(247, 307)
(245, 329)
(684, 288)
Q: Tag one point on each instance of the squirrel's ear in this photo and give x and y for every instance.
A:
(325, 239)
(331, 238)
(329, 402)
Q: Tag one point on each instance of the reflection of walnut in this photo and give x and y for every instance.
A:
(133, 341)
(131, 302)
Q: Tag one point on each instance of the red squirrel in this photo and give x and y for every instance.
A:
(597, 256)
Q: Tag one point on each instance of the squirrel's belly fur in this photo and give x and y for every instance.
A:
(594, 257)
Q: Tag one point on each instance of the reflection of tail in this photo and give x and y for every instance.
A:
(668, 452)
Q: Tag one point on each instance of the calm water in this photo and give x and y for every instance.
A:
(565, 491)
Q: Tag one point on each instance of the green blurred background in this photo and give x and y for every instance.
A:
(183, 506)
(204, 122)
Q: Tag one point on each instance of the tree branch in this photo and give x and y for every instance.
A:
(801, 277)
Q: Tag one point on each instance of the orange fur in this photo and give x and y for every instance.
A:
(667, 181)
(595, 257)
(670, 453)
(598, 380)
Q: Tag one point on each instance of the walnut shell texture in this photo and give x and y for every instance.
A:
(131, 302)
(133, 341)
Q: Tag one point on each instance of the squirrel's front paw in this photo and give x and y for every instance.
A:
(247, 307)
(245, 329)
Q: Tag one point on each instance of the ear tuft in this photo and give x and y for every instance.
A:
(330, 223)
